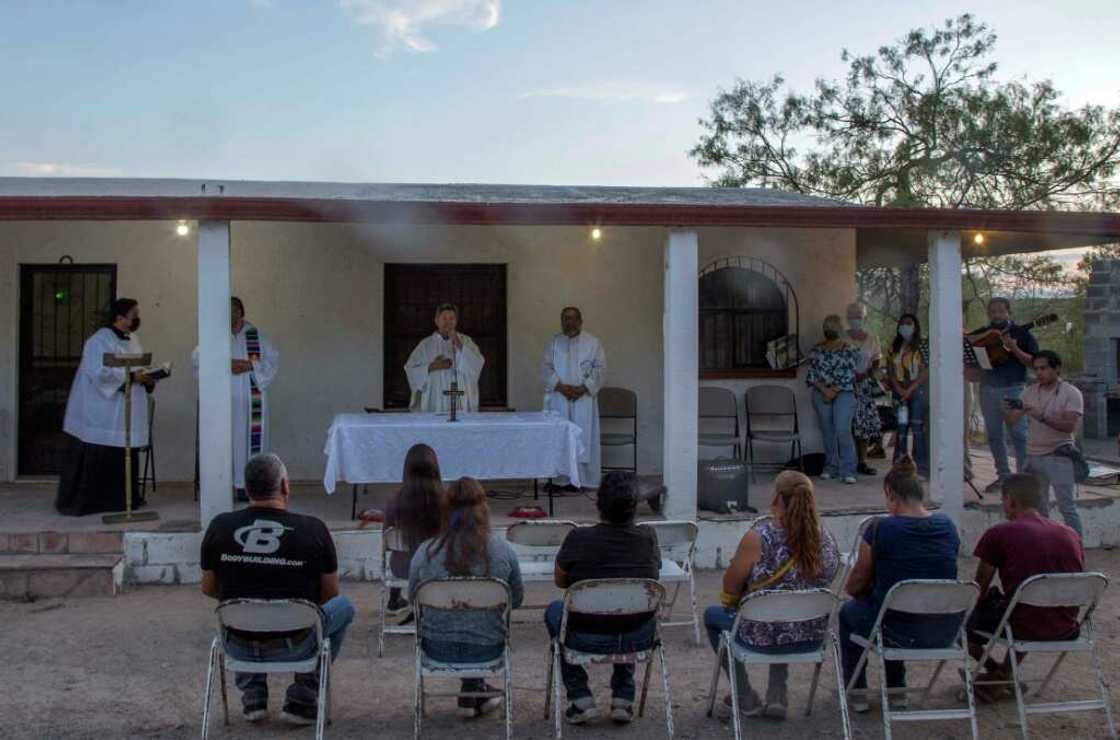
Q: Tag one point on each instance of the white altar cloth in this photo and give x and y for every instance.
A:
(370, 448)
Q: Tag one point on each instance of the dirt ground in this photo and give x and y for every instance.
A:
(133, 667)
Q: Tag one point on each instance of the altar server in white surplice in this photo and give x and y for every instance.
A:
(254, 364)
(440, 358)
(574, 369)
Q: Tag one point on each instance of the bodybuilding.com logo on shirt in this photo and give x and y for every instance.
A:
(262, 537)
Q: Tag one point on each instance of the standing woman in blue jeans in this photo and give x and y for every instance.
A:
(831, 378)
(908, 368)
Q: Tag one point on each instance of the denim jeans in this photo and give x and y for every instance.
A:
(916, 408)
(836, 432)
(1056, 472)
(575, 677)
(338, 613)
(991, 407)
(858, 616)
(719, 619)
(461, 652)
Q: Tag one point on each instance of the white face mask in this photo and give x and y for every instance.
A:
(855, 324)
(906, 331)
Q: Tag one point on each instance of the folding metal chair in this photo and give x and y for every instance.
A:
(619, 404)
(718, 408)
(781, 606)
(1080, 590)
(848, 559)
(615, 597)
(392, 540)
(463, 594)
(536, 543)
(771, 416)
(677, 540)
(269, 616)
(929, 597)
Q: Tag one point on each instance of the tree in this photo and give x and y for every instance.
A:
(922, 122)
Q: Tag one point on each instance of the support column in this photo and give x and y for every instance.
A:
(215, 422)
(680, 327)
(946, 406)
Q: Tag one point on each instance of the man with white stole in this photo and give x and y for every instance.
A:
(254, 362)
(92, 479)
(574, 369)
(441, 358)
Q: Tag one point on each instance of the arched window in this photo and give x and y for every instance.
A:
(745, 304)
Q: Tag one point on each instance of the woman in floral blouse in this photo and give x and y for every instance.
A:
(832, 377)
(788, 550)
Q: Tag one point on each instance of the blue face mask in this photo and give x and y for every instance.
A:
(906, 331)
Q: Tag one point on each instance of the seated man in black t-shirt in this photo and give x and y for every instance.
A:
(615, 548)
(267, 552)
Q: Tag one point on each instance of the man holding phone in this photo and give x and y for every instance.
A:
(1053, 409)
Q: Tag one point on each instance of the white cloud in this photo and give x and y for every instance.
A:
(60, 169)
(405, 22)
(615, 91)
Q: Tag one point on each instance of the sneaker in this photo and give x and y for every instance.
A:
(581, 711)
(408, 618)
(299, 714)
(898, 703)
(994, 487)
(749, 706)
(860, 706)
(850, 480)
(396, 606)
(825, 475)
(777, 702)
(622, 710)
(255, 711)
(865, 469)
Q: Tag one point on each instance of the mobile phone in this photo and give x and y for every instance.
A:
(1015, 403)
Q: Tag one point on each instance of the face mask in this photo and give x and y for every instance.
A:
(855, 324)
(830, 335)
(1000, 324)
(135, 324)
(906, 331)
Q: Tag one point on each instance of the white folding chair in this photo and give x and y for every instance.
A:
(677, 540)
(930, 597)
(392, 540)
(614, 597)
(848, 560)
(268, 616)
(780, 606)
(1080, 590)
(536, 543)
(463, 594)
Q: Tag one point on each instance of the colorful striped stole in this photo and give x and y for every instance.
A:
(256, 400)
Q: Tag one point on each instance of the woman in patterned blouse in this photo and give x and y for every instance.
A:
(832, 378)
(788, 550)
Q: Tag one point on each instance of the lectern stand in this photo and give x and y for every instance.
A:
(129, 363)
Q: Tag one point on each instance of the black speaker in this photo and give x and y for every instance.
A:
(723, 486)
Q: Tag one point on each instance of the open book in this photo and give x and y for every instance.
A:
(157, 372)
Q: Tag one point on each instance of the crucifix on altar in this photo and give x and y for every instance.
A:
(453, 399)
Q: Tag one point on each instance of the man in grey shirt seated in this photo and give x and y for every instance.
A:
(466, 546)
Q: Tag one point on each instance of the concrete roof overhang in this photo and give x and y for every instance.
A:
(884, 236)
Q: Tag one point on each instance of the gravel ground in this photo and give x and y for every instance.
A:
(133, 667)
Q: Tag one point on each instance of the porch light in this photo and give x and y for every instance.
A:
(182, 229)
(596, 234)
(978, 240)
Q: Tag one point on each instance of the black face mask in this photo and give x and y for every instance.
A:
(831, 335)
(135, 324)
(1000, 324)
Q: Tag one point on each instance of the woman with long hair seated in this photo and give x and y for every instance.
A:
(415, 511)
(466, 546)
(909, 542)
(788, 550)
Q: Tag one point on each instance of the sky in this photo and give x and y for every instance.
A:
(603, 92)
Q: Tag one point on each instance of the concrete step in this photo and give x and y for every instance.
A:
(28, 577)
(61, 543)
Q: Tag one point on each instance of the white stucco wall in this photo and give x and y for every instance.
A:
(316, 291)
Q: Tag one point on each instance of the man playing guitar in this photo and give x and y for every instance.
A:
(1005, 381)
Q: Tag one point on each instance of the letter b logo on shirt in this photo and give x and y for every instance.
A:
(262, 537)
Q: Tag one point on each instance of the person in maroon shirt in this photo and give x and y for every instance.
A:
(1026, 545)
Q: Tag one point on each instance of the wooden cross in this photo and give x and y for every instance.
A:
(453, 396)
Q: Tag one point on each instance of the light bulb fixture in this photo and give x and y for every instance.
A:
(182, 229)
(596, 234)
(978, 240)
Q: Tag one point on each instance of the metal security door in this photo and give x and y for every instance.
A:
(60, 306)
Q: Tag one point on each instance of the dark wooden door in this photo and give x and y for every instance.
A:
(412, 293)
(60, 306)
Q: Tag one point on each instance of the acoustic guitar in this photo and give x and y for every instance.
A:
(991, 339)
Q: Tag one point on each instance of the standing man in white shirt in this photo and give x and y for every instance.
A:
(445, 356)
(574, 369)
